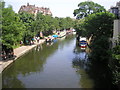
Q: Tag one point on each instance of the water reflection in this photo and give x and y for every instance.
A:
(60, 65)
(99, 73)
(80, 62)
(26, 65)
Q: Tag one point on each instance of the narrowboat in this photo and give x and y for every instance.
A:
(83, 42)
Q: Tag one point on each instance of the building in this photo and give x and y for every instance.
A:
(34, 10)
(115, 11)
(116, 26)
(116, 31)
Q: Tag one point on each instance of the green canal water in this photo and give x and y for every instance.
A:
(61, 64)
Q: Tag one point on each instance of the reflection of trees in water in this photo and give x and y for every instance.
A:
(80, 62)
(81, 66)
(101, 75)
(29, 63)
(8, 83)
(32, 62)
(65, 41)
(81, 57)
(99, 72)
(81, 69)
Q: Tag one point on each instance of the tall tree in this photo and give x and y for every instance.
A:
(79, 27)
(69, 22)
(115, 63)
(99, 24)
(12, 27)
(27, 19)
(86, 8)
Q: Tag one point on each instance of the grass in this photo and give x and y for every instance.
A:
(16, 46)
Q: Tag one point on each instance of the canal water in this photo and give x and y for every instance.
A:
(50, 65)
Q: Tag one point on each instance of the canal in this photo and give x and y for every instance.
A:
(61, 64)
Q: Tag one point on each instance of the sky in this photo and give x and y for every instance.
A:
(59, 8)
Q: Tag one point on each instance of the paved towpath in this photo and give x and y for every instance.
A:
(17, 52)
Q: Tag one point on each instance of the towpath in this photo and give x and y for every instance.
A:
(17, 52)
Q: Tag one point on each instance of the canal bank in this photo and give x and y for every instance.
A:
(49, 66)
(18, 52)
(61, 64)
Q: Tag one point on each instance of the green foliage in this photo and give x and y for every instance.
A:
(38, 24)
(86, 8)
(100, 27)
(79, 27)
(62, 23)
(115, 64)
(95, 25)
(99, 24)
(65, 23)
(47, 23)
(116, 49)
(24, 26)
(69, 22)
(27, 20)
(12, 27)
(56, 23)
(100, 50)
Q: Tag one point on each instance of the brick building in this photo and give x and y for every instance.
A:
(34, 10)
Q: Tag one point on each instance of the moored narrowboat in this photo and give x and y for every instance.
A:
(83, 42)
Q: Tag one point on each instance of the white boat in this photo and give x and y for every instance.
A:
(74, 32)
(62, 34)
(83, 42)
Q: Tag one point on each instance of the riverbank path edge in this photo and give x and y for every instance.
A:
(18, 52)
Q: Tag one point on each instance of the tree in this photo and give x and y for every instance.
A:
(42, 23)
(38, 24)
(115, 63)
(27, 19)
(12, 27)
(86, 8)
(69, 22)
(99, 24)
(56, 23)
(79, 27)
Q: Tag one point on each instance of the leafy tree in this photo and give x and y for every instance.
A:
(1, 8)
(56, 23)
(62, 23)
(27, 20)
(39, 23)
(86, 8)
(42, 23)
(24, 26)
(99, 24)
(115, 63)
(12, 27)
(69, 22)
(65, 23)
(79, 27)
(98, 45)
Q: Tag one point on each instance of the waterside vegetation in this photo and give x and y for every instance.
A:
(97, 26)
(25, 26)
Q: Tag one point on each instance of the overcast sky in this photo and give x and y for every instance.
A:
(59, 8)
